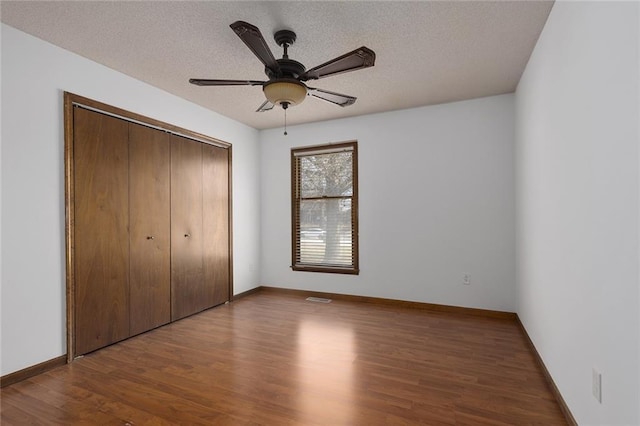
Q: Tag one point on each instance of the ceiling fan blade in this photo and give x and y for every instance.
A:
(253, 39)
(362, 57)
(205, 82)
(266, 106)
(333, 97)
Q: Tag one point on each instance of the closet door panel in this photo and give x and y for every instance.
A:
(101, 214)
(216, 223)
(188, 291)
(149, 213)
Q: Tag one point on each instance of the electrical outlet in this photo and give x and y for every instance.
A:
(466, 279)
(596, 385)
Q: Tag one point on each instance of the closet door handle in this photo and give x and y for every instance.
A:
(150, 237)
(187, 235)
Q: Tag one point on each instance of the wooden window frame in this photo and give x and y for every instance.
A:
(295, 205)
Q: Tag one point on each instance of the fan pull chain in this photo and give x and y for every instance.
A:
(285, 122)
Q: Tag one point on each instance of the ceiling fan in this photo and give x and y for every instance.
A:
(286, 78)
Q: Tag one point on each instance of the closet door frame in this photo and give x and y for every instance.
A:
(72, 101)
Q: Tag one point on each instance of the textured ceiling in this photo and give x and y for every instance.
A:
(426, 52)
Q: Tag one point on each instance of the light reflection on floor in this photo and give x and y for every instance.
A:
(326, 353)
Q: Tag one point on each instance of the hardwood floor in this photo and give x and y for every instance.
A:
(276, 359)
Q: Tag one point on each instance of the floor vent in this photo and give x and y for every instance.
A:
(318, 300)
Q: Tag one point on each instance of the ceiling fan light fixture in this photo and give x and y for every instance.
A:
(291, 92)
(285, 85)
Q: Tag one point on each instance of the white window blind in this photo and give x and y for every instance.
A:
(324, 208)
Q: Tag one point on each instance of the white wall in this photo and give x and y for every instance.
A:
(578, 205)
(436, 201)
(0, 212)
(34, 76)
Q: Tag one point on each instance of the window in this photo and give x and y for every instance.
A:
(324, 198)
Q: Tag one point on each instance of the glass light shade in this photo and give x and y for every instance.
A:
(279, 92)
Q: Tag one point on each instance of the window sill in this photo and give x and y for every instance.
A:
(326, 269)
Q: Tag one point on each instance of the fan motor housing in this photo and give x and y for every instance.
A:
(288, 69)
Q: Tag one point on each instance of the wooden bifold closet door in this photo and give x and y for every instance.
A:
(188, 289)
(215, 200)
(151, 228)
(101, 165)
(199, 226)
